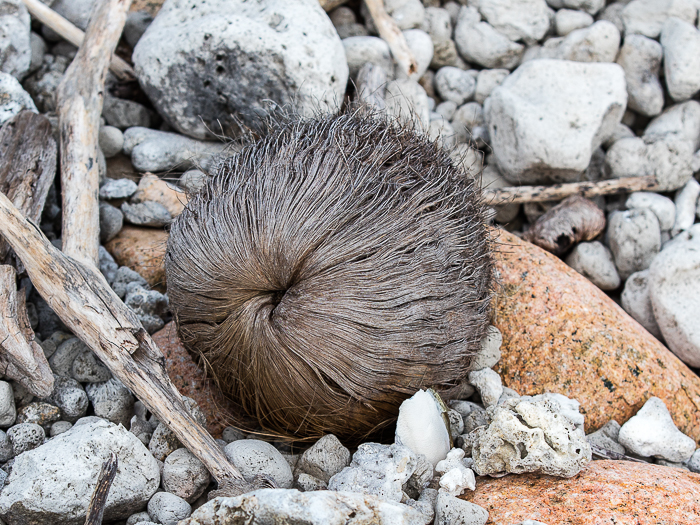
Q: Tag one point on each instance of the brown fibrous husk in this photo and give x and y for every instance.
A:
(329, 271)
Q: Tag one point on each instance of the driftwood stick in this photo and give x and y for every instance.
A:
(98, 501)
(522, 194)
(74, 35)
(81, 297)
(390, 32)
(21, 358)
(80, 98)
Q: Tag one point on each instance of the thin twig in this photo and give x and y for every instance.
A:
(74, 35)
(523, 194)
(98, 501)
(79, 100)
(393, 36)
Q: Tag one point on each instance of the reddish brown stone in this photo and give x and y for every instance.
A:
(153, 188)
(191, 381)
(605, 492)
(142, 250)
(562, 334)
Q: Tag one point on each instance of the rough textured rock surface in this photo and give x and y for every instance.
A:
(15, 49)
(643, 494)
(200, 64)
(538, 127)
(287, 507)
(529, 436)
(54, 483)
(562, 334)
(142, 250)
(191, 381)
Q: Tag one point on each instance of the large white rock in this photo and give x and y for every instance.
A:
(480, 43)
(674, 288)
(549, 116)
(323, 507)
(652, 433)
(15, 46)
(527, 20)
(54, 482)
(640, 57)
(681, 43)
(202, 62)
(646, 17)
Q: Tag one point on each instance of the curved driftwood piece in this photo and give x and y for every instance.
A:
(74, 35)
(390, 32)
(21, 358)
(81, 297)
(79, 101)
(523, 194)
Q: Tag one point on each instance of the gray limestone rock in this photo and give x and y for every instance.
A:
(539, 129)
(15, 42)
(54, 482)
(201, 65)
(280, 507)
(324, 459)
(253, 457)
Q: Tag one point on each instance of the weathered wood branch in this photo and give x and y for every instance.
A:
(74, 35)
(81, 297)
(21, 358)
(28, 153)
(522, 194)
(96, 510)
(393, 36)
(79, 100)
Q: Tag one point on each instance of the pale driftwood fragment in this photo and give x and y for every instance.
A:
(393, 36)
(371, 85)
(81, 297)
(21, 358)
(522, 194)
(329, 5)
(573, 220)
(80, 98)
(98, 501)
(28, 167)
(74, 35)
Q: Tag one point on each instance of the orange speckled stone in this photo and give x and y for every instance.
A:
(142, 250)
(562, 334)
(603, 493)
(191, 381)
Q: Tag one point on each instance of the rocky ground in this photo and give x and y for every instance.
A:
(525, 92)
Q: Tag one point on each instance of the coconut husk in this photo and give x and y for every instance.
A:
(329, 271)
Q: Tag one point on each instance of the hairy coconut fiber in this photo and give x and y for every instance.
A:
(329, 271)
